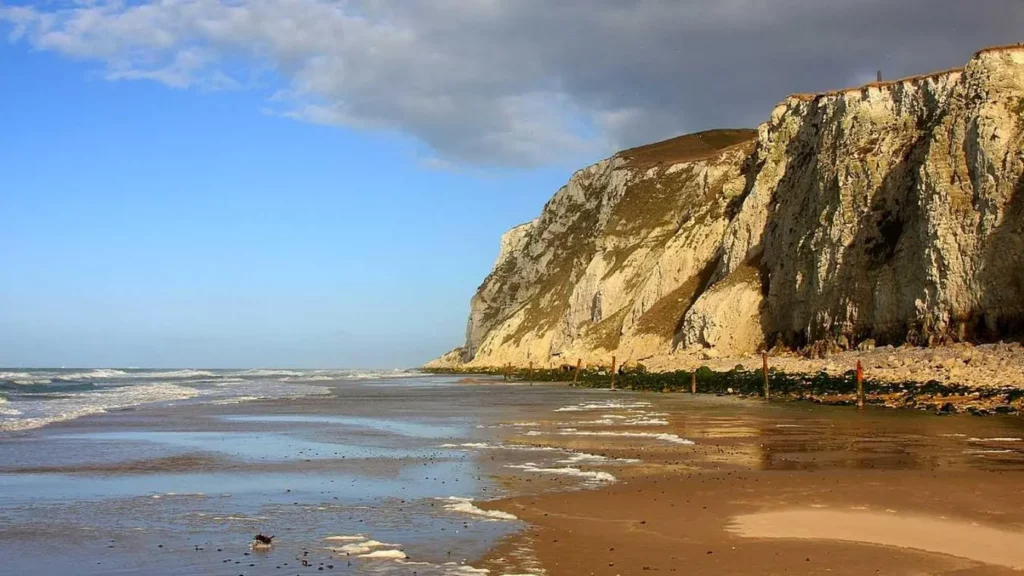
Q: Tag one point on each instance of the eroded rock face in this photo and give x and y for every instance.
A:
(891, 212)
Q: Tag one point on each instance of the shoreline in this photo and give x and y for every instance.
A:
(976, 379)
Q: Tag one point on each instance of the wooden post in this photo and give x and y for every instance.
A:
(576, 374)
(531, 372)
(693, 382)
(613, 372)
(764, 371)
(860, 385)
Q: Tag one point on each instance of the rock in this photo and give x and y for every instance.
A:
(709, 354)
(866, 345)
(660, 249)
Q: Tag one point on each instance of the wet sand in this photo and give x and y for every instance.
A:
(599, 482)
(784, 489)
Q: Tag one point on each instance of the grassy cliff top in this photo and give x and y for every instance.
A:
(687, 148)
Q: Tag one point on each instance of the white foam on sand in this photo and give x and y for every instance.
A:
(178, 495)
(603, 405)
(361, 547)
(605, 421)
(517, 447)
(592, 476)
(673, 438)
(478, 445)
(384, 555)
(238, 400)
(448, 568)
(584, 458)
(994, 440)
(646, 422)
(466, 506)
(372, 550)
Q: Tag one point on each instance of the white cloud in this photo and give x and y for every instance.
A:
(516, 82)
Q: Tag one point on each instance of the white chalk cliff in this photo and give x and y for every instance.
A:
(892, 212)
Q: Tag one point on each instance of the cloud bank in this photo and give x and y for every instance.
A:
(517, 82)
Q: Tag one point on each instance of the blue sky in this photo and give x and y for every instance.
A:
(152, 226)
(323, 183)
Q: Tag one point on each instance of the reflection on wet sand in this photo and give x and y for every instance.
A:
(970, 540)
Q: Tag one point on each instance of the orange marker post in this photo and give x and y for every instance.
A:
(860, 385)
(764, 371)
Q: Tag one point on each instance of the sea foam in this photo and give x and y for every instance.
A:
(466, 506)
(36, 413)
(673, 438)
(592, 476)
(603, 405)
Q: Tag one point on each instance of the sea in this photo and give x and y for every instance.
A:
(31, 398)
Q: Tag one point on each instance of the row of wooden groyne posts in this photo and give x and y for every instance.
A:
(740, 374)
(767, 382)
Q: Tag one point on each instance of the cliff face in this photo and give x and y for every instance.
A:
(892, 212)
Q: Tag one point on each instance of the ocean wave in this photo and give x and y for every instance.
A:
(314, 378)
(322, 375)
(54, 376)
(37, 413)
(24, 378)
(269, 373)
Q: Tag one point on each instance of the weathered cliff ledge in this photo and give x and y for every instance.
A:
(890, 214)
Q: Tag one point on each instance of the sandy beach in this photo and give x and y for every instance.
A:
(433, 475)
(790, 489)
